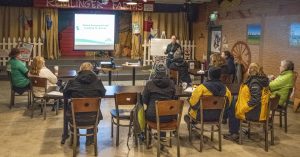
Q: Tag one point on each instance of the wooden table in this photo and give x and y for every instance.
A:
(194, 72)
(110, 92)
(110, 70)
(65, 73)
(133, 66)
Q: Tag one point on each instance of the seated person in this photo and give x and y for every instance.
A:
(18, 71)
(284, 82)
(38, 68)
(216, 60)
(211, 87)
(85, 85)
(181, 66)
(252, 101)
(159, 88)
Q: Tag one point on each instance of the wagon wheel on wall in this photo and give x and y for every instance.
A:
(241, 53)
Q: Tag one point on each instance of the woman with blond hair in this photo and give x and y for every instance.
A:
(252, 101)
(39, 69)
(85, 85)
(216, 60)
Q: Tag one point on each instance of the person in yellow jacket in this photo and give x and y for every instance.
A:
(211, 87)
(252, 101)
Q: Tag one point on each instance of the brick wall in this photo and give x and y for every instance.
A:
(275, 17)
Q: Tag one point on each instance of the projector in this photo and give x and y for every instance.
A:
(106, 65)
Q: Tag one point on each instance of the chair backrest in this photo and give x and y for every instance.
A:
(212, 103)
(80, 105)
(9, 78)
(125, 99)
(38, 82)
(295, 76)
(174, 75)
(169, 108)
(273, 102)
(83, 105)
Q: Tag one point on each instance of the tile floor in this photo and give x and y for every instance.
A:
(22, 136)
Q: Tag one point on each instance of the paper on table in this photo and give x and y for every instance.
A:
(189, 89)
(201, 72)
(55, 93)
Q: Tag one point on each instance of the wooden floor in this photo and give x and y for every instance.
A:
(22, 136)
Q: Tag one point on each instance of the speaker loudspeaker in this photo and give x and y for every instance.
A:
(192, 12)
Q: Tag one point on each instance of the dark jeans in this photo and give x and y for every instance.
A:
(234, 123)
(21, 90)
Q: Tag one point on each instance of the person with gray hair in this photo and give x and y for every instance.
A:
(284, 82)
(182, 67)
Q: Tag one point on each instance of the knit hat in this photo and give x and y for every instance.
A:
(214, 73)
(177, 54)
(160, 70)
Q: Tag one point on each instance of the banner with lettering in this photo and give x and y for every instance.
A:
(96, 4)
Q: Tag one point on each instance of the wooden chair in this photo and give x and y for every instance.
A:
(166, 108)
(84, 105)
(38, 82)
(13, 93)
(267, 124)
(282, 110)
(216, 103)
(174, 75)
(117, 114)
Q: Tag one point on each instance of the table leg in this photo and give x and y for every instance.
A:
(109, 78)
(65, 134)
(133, 76)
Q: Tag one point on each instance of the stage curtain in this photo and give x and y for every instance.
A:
(172, 23)
(14, 24)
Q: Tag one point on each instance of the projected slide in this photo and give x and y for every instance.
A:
(94, 32)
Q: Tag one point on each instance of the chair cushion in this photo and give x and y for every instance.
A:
(123, 113)
(163, 126)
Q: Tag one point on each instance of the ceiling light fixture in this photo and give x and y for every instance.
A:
(132, 2)
(63, 0)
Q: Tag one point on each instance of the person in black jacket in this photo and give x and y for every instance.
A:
(181, 66)
(229, 62)
(159, 88)
(171, 49)
(85, 85)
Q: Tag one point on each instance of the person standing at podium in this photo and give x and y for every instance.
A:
(171, 49)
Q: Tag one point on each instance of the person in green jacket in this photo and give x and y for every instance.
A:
(284, 82)
(18, 72)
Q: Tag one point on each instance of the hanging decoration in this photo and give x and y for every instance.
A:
(48, 22)
(148, 24)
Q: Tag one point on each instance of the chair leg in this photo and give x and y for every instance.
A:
(280, 118)
(44, 109)
(220, 137)
(170, 141)
(12, 99)
(240, 133)
(112, 128)
(32, 108)
(118, 132)
(190, 130)
(74, 142)
(178, 143)
(158, 143)
(266, 137)
(95, 141)
(212, 133)
(147, 137)
(201, 138)
(272, 134)
(285, 121)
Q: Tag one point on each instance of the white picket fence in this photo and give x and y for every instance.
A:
(7, 44)
(188, 47)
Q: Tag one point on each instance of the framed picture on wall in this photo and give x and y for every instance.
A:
(216, 38)
(253, 34)
(295, 35)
